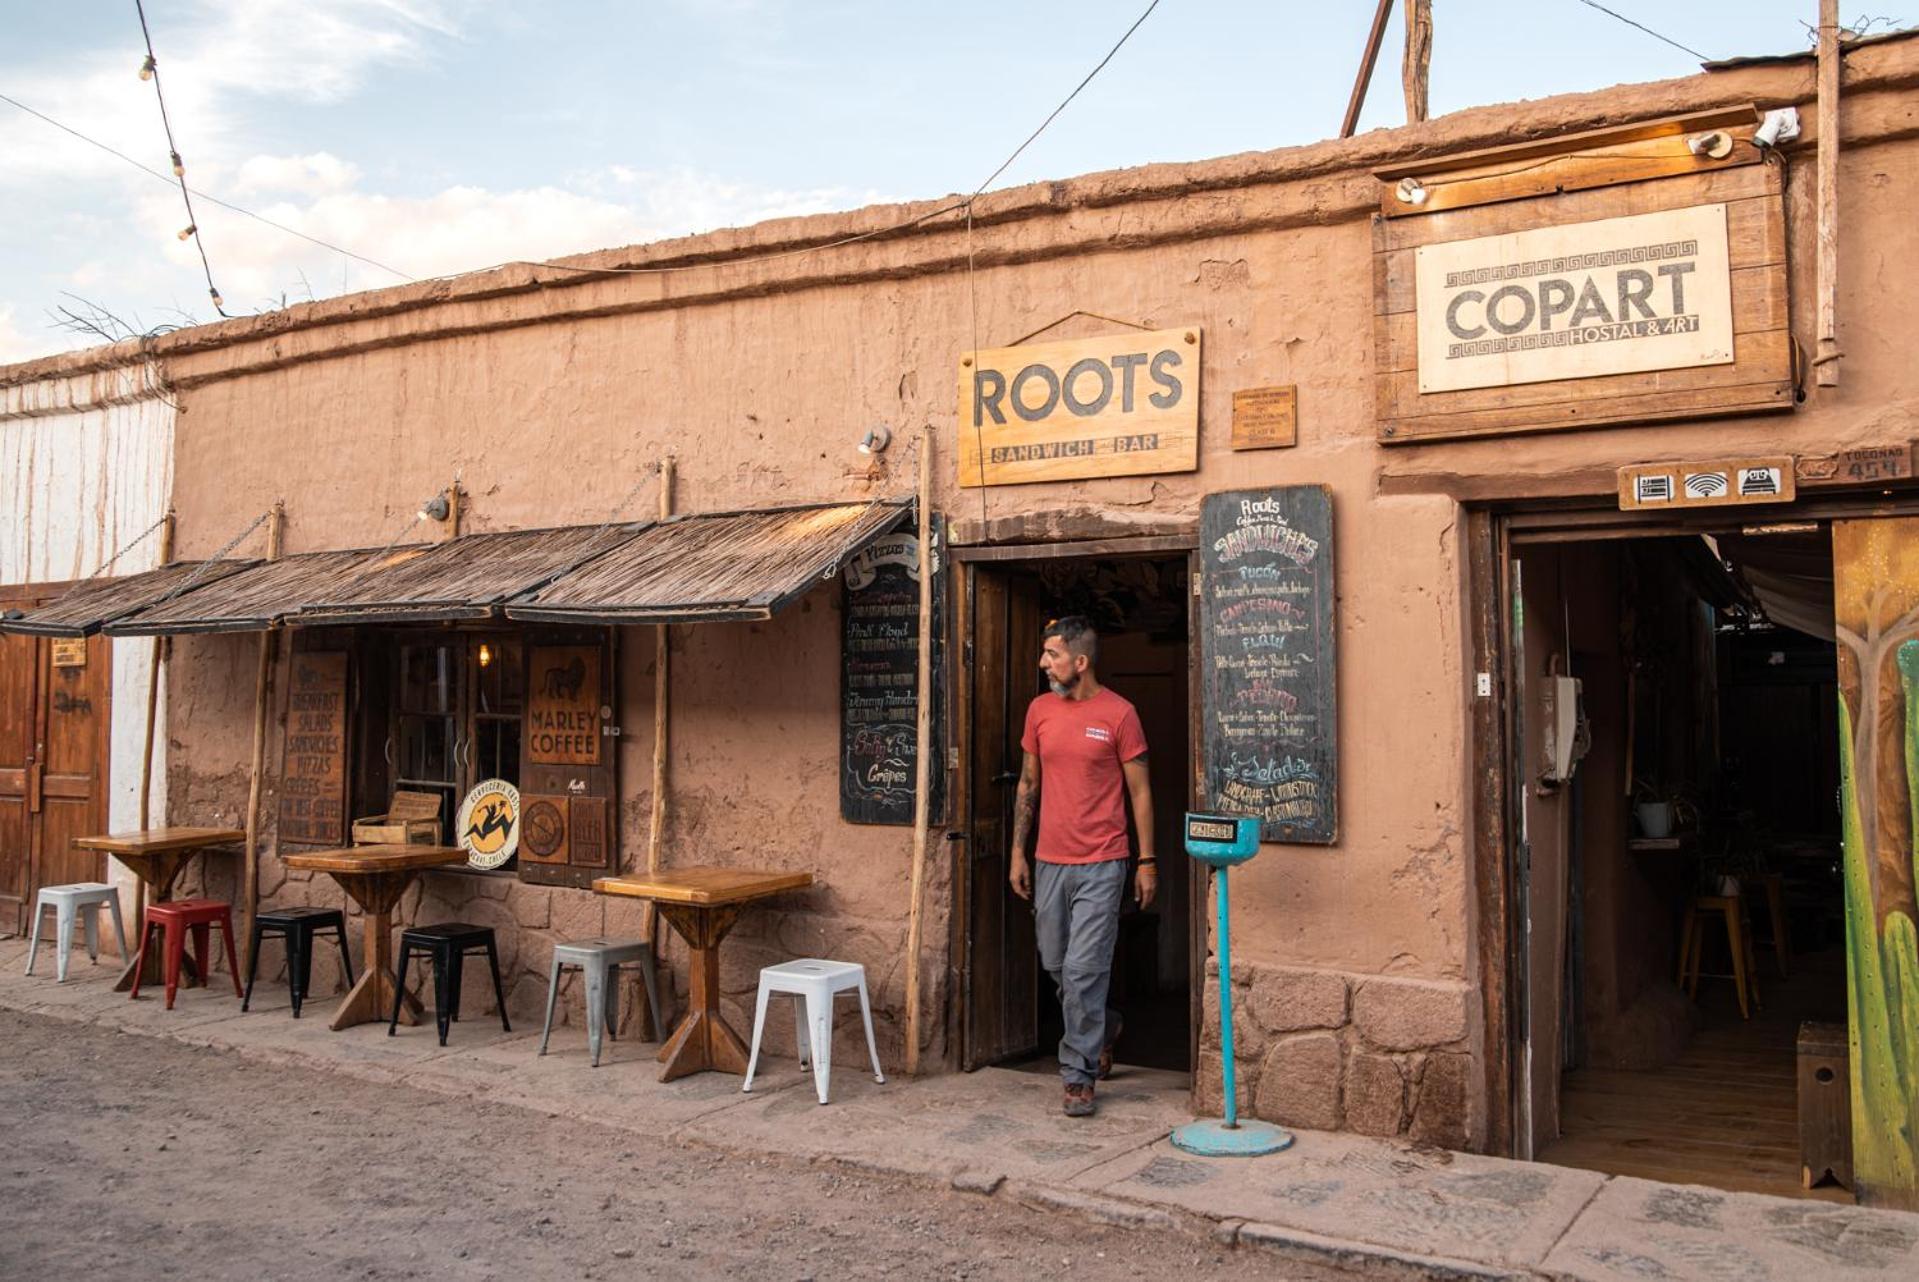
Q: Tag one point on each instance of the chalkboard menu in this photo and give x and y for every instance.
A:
(879, 682)
(313, 771)
(1266, 631)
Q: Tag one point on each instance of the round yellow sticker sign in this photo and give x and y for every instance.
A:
(489, 825)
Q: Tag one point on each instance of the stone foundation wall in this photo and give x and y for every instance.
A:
(1328, 1050)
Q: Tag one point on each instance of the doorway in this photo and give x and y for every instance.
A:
(54, 713)
(1140, 604)
(1678, 848)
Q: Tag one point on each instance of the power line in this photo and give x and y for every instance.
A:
(150, 70)
(203, 195)
(1592, 4)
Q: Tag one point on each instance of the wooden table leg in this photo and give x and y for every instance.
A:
(159, 872)
(704, 1041)
(370, 1000)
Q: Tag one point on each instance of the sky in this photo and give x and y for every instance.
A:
(437, 136)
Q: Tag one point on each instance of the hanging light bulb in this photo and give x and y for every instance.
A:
(186, 233)
(179, 166)
(146, 68)
(217, 303)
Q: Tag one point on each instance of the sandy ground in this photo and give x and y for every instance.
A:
(144, 1158)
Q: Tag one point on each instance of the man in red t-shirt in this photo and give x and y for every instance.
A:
(1085, 760)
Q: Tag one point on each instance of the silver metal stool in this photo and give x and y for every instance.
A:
(600, 960)
(83, 899)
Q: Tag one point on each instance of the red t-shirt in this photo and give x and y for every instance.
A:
(1080, 744)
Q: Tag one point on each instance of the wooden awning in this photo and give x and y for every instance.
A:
(260, 595)
(713, 566)
(95, 603)
(466, 578)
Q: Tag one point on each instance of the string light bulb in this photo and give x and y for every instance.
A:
(186, 233)
(146, 68)
(179, 166)
(218, 302)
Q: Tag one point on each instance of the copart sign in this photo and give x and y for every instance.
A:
(1618, 296)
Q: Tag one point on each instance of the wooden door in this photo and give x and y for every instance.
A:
(1876, 607)
(1002, 1006)
(53, 765)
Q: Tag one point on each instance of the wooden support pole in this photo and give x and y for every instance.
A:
(923, 756)
(160, 648)
(1374, 39)
(1415, 70)
(656, 822)
(1825, 361)
(269, 644)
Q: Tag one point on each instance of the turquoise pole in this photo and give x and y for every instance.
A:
(1226, 1000)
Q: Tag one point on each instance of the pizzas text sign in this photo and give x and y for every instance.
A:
(1617, 296)
(1121, 405)
(1719, 483)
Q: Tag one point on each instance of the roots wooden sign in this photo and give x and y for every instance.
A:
(1119, 405)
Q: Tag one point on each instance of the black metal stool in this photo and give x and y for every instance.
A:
(447, 944)
(297, 926)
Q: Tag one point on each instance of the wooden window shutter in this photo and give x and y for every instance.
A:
(569, 769)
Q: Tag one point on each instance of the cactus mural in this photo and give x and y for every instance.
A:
(1876, 609)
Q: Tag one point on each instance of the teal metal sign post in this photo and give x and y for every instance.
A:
(1223, 841)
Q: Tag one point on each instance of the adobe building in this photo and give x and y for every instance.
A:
(1475, 502)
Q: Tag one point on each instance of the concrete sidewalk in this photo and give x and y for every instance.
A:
(1378, 1207)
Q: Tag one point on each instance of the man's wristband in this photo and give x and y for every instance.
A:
(1148, 863)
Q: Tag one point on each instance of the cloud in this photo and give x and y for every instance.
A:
(313, 175)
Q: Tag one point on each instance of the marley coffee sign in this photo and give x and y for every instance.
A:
(1121, 405)
(1618, 296)
(563, 706)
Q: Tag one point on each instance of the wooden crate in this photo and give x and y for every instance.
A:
(1825, 1104)
(413, 818)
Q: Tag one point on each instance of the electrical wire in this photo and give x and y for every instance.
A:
(192, 232)
(210, 198)
(1592, 4)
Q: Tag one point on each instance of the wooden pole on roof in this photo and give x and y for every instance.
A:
(262, 679)
(1825, 361)
(923, 754)
(153, 711)
(1366, 60)
(656, 822)
(1415, 69)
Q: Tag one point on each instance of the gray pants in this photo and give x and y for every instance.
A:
(1076, 910)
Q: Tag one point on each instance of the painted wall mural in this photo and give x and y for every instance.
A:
(1876, 608)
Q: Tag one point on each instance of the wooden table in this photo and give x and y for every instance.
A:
(157, 856)
(702, 904)
(375, 877)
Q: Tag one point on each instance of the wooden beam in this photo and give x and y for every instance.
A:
(1366, 61)
(1416, 68)
(160, 647)
(923, 764)
(656, 821)
(1826, 355)
(269, 643)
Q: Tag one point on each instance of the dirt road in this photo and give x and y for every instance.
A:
(133, 1157)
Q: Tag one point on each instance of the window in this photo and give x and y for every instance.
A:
(457, 707)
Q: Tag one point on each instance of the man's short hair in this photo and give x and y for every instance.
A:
(1079, 634)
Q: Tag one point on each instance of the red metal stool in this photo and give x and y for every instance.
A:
(177, 917)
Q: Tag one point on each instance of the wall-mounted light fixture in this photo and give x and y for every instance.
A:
(876, 439)
(436, 509)
(1410, 192)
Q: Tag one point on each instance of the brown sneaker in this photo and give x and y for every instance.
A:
(1106, 1052)
(1079, 1100)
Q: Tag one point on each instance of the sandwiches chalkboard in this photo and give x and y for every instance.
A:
(1266, 631)
(879, 682)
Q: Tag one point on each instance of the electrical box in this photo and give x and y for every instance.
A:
(1221, 840)
(1566, 736)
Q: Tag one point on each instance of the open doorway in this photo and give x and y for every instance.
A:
(1677, 803)
(1140, 605)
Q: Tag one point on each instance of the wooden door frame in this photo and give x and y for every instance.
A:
(1492, 532)
(960, 707)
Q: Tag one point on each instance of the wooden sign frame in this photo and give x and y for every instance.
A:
(1736, 482)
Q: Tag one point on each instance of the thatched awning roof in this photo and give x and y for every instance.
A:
(94, 603)
(466, 578)
(259, 596)
(713, 566)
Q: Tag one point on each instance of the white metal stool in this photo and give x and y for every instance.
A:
(83, 899)
(600, 961)
(814, 984)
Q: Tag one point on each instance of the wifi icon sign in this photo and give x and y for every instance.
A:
(1706, 485)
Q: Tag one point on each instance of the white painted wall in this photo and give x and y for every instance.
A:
(86, 464)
